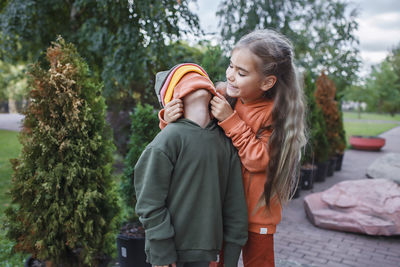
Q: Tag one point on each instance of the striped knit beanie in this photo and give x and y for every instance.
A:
(181, 80)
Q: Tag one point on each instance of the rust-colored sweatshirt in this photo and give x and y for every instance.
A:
(242, 127)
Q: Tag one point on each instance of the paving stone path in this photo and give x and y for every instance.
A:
(299, 243)
(10, 122)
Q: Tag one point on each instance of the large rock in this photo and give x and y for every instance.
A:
(361, 206)
(386, 167)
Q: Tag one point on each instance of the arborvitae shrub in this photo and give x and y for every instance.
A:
(325, 98)
(144, 129)
(342, 133)
(64, 198)
(317, 146)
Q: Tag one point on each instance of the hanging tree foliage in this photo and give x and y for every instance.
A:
(62, 189)
(125, 42)
(322, 32)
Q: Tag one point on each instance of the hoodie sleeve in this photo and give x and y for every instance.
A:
(252, 149)
(152, 179)
(234, 214)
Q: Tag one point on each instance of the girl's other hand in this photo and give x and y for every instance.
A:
(173, 110)
(220, 107)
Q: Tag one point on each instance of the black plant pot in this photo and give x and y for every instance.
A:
(339, 161)
(322, 171)
(33, 262)
(307, 178)
(331, 166)
(296, 193)
(131, 251)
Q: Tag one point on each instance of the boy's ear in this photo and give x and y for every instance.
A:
(268, 83)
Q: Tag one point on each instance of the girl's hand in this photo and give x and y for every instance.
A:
(220, 107)
(173, 110)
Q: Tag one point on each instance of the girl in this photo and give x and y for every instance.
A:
(267, 128)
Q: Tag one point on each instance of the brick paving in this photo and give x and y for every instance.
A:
(299, 243)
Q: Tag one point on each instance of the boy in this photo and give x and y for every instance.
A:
(188, 181)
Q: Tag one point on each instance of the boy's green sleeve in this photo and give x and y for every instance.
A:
(152, 178)
(235, 215)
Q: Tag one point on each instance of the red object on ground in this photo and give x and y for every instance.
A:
(367, 142)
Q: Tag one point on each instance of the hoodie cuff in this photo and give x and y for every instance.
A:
(162, 123)
(231, 122)
(231, 254)
(162, 252)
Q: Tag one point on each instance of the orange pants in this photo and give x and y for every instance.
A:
(258, 252)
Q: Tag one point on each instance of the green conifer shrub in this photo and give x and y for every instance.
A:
(144, 128)
(64, 199)
(317, 146)
(342, 142)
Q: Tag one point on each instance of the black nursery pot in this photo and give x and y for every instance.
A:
(131, 251)
(339, 161)
(322, 171)
(31, 261)
(307, 178)
(102, 261)
(331, 166)
(296, 194)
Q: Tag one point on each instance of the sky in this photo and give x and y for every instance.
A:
(378, 30)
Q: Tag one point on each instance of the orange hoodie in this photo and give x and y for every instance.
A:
(242, 127)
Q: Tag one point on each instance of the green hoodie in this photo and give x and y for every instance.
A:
(190, 195)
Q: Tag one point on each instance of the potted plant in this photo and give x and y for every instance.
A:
(325, 98)
(321, 147)
(65, 208)
(316, 151)
(130, 241)
(341, 145)
(130, 244)
(296, 190)
(307, 173)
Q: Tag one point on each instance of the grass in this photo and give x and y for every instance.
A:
(367, 129)
(370, 116)
(10, 148)
(366, 125)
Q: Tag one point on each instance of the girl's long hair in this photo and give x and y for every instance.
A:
(288, 130)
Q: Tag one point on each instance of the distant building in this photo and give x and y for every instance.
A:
(353, 105)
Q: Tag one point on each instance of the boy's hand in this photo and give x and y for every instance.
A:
(173, 265)
(220, 107)
(173, 110)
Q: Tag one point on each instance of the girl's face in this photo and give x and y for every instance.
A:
(243, 76)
